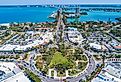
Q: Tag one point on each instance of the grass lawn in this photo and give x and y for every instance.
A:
(58, 59)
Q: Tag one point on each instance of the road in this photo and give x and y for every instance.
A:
(60, 27)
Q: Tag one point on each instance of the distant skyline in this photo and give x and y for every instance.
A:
(39, 2)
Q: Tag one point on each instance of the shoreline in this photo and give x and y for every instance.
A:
(4, 24)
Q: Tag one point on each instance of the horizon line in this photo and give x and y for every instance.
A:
(65, 4)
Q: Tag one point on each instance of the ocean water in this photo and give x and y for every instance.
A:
(40, 14)
(100, 15)
(25, 14)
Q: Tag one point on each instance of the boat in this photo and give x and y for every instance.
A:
(53, 15)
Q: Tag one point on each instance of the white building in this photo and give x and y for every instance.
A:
(95, 46)
(44, 39)
(11, 73)
(109, 73)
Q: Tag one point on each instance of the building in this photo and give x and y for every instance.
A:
(116, 45)
(9, 72)
(74, 35)
(114, 71)
(97, 47)
(43, 39)
(110, 73)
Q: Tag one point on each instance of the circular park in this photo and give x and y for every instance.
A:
(62, 62)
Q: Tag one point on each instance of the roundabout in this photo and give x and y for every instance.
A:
(58, 65)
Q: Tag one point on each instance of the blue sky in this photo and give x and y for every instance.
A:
(9, 2)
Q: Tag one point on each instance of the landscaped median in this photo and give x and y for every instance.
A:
(94, 74)
(32, 76)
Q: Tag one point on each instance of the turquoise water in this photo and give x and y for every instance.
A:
(25, 14)
(40, 14)
(98, 16)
